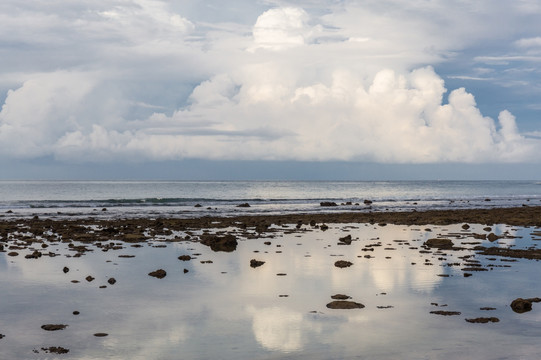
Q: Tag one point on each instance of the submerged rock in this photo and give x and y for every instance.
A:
(439, 243)
(521, 305)
(493, 237)
(56, 350)
(256, 263)
(345, 240)
(160, 273)
(340, 297)
(445, 313)
(227, 243)
(53, 327)
(35, 255)
(483, 320)
(343, 304)
(343, 263)
(512, 253)
(328, 203)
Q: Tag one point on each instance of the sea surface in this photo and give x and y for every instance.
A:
(417, 300)
(58, 199)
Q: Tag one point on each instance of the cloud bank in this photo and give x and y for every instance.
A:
(147, 80)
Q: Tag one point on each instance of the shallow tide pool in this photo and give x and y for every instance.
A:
(216, 306)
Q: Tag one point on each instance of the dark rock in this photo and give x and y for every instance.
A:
(340, 297)
(343, 304)
(184, 257)
(513, 253)
(343, 263)
(368, 202)
(101, 334)
(160, 273)
(245, 205)
(111, 281)
(445, 313)
(227, 243)
(346, 240)
(439, 243)
(53, 327)
(76, 312)
(13, 253)
(186, 270)
(35, 255)
(66, 269)
(89, 278)
(493, 237)
(328, 203)
(197, 205)
(324, 227)
(465, 226)
(483, 320)
(474, 269)
(480, 236)
(256, 263)
(486, 308)
(56, 350)
(521, 305)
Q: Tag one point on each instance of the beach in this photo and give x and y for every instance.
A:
(437, 283)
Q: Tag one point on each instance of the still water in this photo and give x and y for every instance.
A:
(225, 309)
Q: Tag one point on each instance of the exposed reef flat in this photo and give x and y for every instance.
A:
(521, 216)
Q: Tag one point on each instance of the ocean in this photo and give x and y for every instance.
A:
(113, 199)
(412, 301)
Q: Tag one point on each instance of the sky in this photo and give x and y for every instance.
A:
(308, 89)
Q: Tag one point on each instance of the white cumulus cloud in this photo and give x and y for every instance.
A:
(137, 79)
